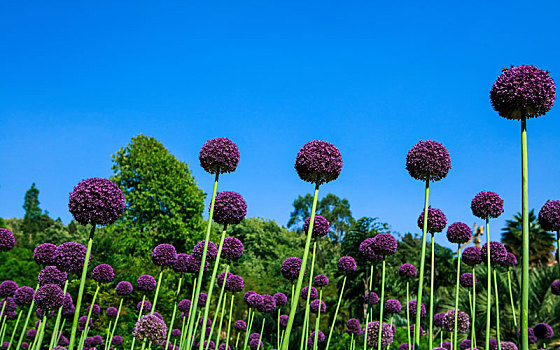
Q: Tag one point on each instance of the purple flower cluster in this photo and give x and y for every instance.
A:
(549, 216)
(184, 305)
(510, 260)
(103, 273)
(164, 255)
(229, 208)
(240, 325)
(373, 334)
(234, 283)
(96, 310)
(392, 306)
(367, 252)
(543, 331)
(44, 254)
(202, 297)
(268, 304)
(117, 340)
(321, 226)
(506, 345)
(52, 275)
(428, 161)
(124, 288)
(523, 91)
(146, 283)
(70, 257)
(281, 299)
(111, 312)
(465, 344)
(463, 322)
(193, 264)
(459, 232)
(313, 293)
(373, 298)
(219, 156)
(253, 300)
(315, 304)
(150, 328)
(407, 271)
(211, 251)
(472, 256)
(346, 264)
(436, 220)
(412, 309)
(7, 240)
(176, 333)
(24, 295)
(353, 326)
(290, 268)
(321, 281)
(487, 204)
(232, 249)
(8, 288)
(466, 280)
(498, 252)
(555, 287)
(96, 201)
(447, 345)
(49, 297)
(438, 319)
(384, 244)
(318, 162)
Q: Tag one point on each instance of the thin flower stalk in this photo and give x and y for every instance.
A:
(336, 312)
(422, 264)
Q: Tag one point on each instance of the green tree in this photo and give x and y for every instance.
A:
(164, 203)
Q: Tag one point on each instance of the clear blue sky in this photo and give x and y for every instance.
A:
(79, 80)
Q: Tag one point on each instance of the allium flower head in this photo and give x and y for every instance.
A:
(223, 347)
(404, 346)
(164, 255)
(255, 344)
(7, 240)
(384, 244)
(549, 216)
(321, 226)
(346, 264)
(320, 336)
(318, 162)
(428, 160)
(507, 345)
(30, 334)
(211, 252)
(510, 260)
(392, 306)
(147, 306)
(8, 304)
(124, 288)
(70, 257)
(411, 330)
(466, 344)
(96, 310)
(459, 232)
(146, 283)
(532, 338)
(493, 344)
(373, 334)
(219, 156)
(373, 298)
(498, 252)
(240, 325)
(367, 252)
(117, 340)
(407, 271)
(436, 220)
(202, 299)
(96, 201)
(24, 295)
(103, 273)
(248, 294)
(97, 340)
(438, 319)
(284, 320)
(472, 256)
(44, 254)
(234, 284)
(543, 331)
(268, 304)
(466, 280)
(412, 309)
(229, 208)
(184, 305)
(313, 293)
(254, 300)
(290, 268)
(487, 204)
(52, 275)
(281, 299)
(59, 347)
(232, 249)
(353, 324)
(8, 288)
(82, 321)
(523, 91)
(150, 328)
(555, 287)
(176, 333)
(321, 281)
(49, 297)
(463, 322)
(193, 264)
(447, 345)
(25, 345)
(181, 263)
(111, 312)
(314, 306)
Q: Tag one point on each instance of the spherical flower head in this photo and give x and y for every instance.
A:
(447, 345)
(146, 308)
(63, 341)
(111, 312)
(232, 249)
(543, 331)
(219, 156)
(8, 288)
(150, 328)
(321, 281)
(240, 325)
(96, 310)
(549, 216)
(44, 254)
(487, 204)
(290, 268)
(89, 342)
(49, 297)
(176, 333)
(497, 252)
(234, 284)
(284, 320)
(97, 340)
(254, 300)
(353, 324)
(367, 252)
(392, 306)
(124, 288)
(315, 304)
(428, 160)
(70, 257)
(320, 336)
(438, 319)
(255, 344)
(346, 264)
(281, 299)
(24, 295)
(8, 304)
(229, 208)
(7, 240)
(146, 283)
(211, 252)
(82, 321)
(373, 334)
(117, 340)
(459, 232)
(184, 305)
(465, 344)
(96, 201)
(202, 299)
(25, 345)
(412, 309)
(373, 298)
(507, 345)
(463, 322)
(321, 226)
(268, 304)
(436, 220)
(193, 264)
(223, 347)
(532, 338)
(555, 287)
(52, 275)
(404, 346)
(318, 162)
(103, 273)
(181, 263)
(31, 333)
(466, 280)
(523, 91)
(69, 311)
(509, 261)
(314, 294)
(164, 255)
(407, 271)
(493, 344)
(411, 330)
(248, 294)
(472, 256)
(384, 244)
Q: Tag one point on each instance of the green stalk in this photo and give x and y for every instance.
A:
(511, 299)
(237, 341)
(219, 325)
(489, 286)
(3, 330)
(217, 306)
(183, 334)
(107, 345)
(260, 337)
(14, 331)
(60, 333)
(250, 317)
(138, 319)
(81, 290)
(422, 263)
(336, 312)
(108, 333)
(369, 307)
(229, 320)
(170, 328)
(432, 275)
(352, 341)
(317, 320)
(277, 330)
(26, 322)
(157, 291)
(191, 341)
(408, 315)
(41, 331)
(497, 311)
(203, 260)
(525, 260)
(382, 306)
(288, 331)
(457, 297)
(473, 312)
(86, 330)
(306, 318)
(57, 323)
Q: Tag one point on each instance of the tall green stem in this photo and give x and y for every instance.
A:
(525, 260)
(170, 327)
(286, 342)
(108, 344)
(317, 320)
(422, 263)
(138, 319)
(381, 306)
(260, 336)
(408, 315)
(219, 305)
(26, 322)
(511, 299)
(473, 311)
(14, 331)
(369, 307)
(457, 296)
(157, 291)
(229, 321)
(497, 311)
(183, 333)
(250, 317)
(336, 312)
(278, 330)
(217, 343)
(488, 287)
(432, 275)
(57, 323)
(308, 298)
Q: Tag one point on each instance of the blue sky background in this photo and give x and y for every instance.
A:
(78, 81)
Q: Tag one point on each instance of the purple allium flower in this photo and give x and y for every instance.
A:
(24, 295)
(404, 346)
(284, 320)
(465, 344)
(254, 336)
(407, 271)
(314, 306)
(31, 333)
(428, 160)
(555, 287)
(367, 252)
(164, 255)
(373, 298)
(346, 264)
(320, 336)
(63, 341)
(255, 344)
(97, 340)
(184, 305)
(89, 342)
(248, 294)
(146, 308)
(25, 345)
(208, 322)
(241, 326)
(10, 315)
(313, 293)
(202, 299)
(151, 328)
(532, 338)
(412, 309)
(39, 312)
(111, 312)
(543, 331)
(8, 288)
(436, 220)
(232, 249)
(158, 315)
(510, 260)
(234, 283)
(459, 233)
(181, 263)
(321, 281)
(466, 280)
(70, 257)
(146, 283)
(463, 322)
(96, 201)
(49, 297)
(321, 226)
(446, 345)
(254, 300)
(176, 333)
(82, 321)
(498, 252)
(353, 324)
(411, 330)
(8, 304)
(318, 162)
(507, 345)
(229, 208)
(472, 256)
(281, 299)
(493, 344)
(290, 268)
(223, 347)
(96, 310)
(268, 304)
(373, 334)
(103, 273)
(219, 156)
(384, 244)
(549, 216)
(68, 311)
(523, 91)
(52, 275)
(7, 240)
(117, 340)
(392, 306)
(44, 254)
(124, 288)
(438, 319)
(487, 204)
(193, 264)
(211, 252)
